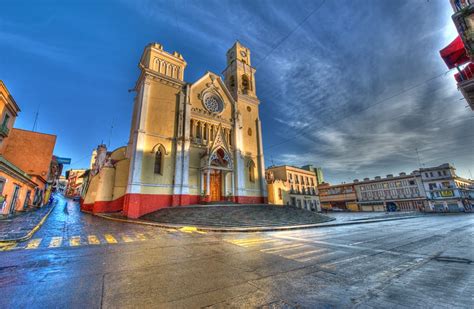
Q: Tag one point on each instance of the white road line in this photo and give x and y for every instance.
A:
(322, 256)
(281, 248)
(301, 254)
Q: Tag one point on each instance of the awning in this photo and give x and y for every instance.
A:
(467, 73)
(454, 54)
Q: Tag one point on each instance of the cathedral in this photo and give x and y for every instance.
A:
(190, 143)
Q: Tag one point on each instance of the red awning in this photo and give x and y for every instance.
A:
(454, 54)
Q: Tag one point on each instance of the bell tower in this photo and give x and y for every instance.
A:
(239, 74)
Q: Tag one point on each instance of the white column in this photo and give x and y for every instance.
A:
(261, 161)
(135, 172)
(208, 185)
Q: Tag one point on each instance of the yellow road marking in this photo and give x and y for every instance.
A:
(127, 238)
(93, 240)
(55, 242)
(141, 236)
(75, 241)
(257, 242)
(7, 246)
(188, 229)
(34, 243)
(110, 239)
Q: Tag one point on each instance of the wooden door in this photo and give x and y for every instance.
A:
(215, 186)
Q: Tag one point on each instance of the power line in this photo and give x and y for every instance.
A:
(291, 32)
(299, 132)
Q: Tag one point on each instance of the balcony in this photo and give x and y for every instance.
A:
(463, 18)
(4, 130)
(467, 89)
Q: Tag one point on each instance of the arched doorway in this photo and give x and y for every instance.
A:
(216, 185)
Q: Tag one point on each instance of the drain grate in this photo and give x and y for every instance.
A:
(451, 259)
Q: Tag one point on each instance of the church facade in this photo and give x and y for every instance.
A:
(189, 143)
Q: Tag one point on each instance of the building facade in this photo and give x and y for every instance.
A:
(289, 185)
(445, 191)
(189, 142)
(75, 181)
(318, 171)
(392, 193)
(338, 197)
(25, 161)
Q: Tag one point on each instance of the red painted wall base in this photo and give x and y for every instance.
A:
(136, 205)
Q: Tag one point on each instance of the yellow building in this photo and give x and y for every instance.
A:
(189, 142)
(289, 185)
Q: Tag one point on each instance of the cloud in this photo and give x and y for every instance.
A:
(338, 92)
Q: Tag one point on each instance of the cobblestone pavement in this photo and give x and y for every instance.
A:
(424, 262)
(236, 216)
(21, 224)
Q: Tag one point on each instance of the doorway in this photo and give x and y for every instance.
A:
(215, 185)
(16, 191)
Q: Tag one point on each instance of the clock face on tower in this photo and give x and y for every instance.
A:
(243, 53)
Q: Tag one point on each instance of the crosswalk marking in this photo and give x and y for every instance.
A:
(126, 238)
(318, 256)
(141, 236)
(93, 240)
(110, 239)
(80, 240)
(75, 241)
(55, 242)
(34, 243)
(8, 246)
(275, 249)
(254, 242)
(301, 254)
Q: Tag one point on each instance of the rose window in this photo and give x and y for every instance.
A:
(213, 103)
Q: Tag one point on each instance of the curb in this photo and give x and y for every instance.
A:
(248, 229)
(30, 233)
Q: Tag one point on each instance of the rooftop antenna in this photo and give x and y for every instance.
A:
(111, 130)
(418, 156)
(35, 123)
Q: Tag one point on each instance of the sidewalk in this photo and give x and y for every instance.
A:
(22, 226)
(184, 219)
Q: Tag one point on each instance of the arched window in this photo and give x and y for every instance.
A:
(159, 161)
(245, 84)
(251, 171)
(232, 82)
(199, 130)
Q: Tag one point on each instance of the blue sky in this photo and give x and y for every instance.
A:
(330, 92)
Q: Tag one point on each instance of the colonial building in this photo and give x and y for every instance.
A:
(445, 190)
(392, 193)
(289, 185)
(25, 161)
(189, 142)
(338, 197)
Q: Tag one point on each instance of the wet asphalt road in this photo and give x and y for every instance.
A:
(79, 261)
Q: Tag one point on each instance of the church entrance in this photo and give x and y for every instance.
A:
(215, 184)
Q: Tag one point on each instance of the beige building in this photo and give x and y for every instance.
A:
(338, 197)
(391, 193)
(288, 185)
(189, 142)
